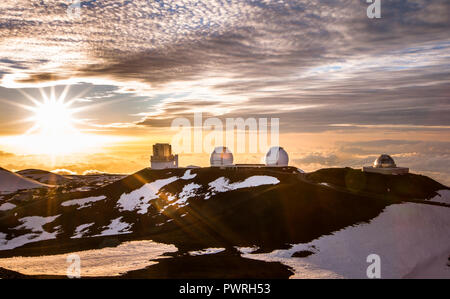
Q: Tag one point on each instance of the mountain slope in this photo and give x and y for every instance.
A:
(194, 209)
(411, 240)
(43, 176)
(262, 208)
(11, 182)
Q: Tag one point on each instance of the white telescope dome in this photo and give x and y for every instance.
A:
(277, 156)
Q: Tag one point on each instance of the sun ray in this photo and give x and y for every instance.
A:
(29, 108)
(98, 105)
(53, 113)
(44, 95)
(55, 129)
(33, 129)
(53, 119)
(52, 94)
(76, 98)
(33, 100)
(63, 95)
(20, 121)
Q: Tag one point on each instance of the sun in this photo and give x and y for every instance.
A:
(57, 130)
(58, 134)
(53, 118)
(54, 130)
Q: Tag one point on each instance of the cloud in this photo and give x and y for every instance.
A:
(255, 44)
(426, 157)
(63, 171)
(40, 78)
(6, 155)
(92, 171)
(430, 158)
(261, 57)
(318, 158)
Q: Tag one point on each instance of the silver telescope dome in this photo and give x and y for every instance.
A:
(384, 161)
(221, 156)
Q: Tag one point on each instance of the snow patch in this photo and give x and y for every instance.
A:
(223, 184)
(83, 202)
(187, 192)
(82, 189)
(116, 227)
(325, 184)
(247, 249)
(7, 206)
(206, 251)
(110, 261)
(188, 176)
(405, 236)
(33, 223)
(81, 230)
(139, 199)
(442, 197)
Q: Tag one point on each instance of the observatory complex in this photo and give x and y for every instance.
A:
(162, 157)
(222, 157)
(384, 164)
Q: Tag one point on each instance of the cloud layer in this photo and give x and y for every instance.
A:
(244, 57)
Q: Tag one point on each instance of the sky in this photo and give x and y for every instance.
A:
(344, 87)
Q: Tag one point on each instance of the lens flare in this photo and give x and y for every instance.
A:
(53, 131)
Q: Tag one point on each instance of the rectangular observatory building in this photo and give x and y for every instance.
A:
(162, 157)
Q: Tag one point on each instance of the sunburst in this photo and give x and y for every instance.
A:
(57, 130)
(53, 116)
(54, 130)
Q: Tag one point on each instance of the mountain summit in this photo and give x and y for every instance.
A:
(267, 209)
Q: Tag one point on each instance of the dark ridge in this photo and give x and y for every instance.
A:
(213, 266)
(302, 253)
(408, 186)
